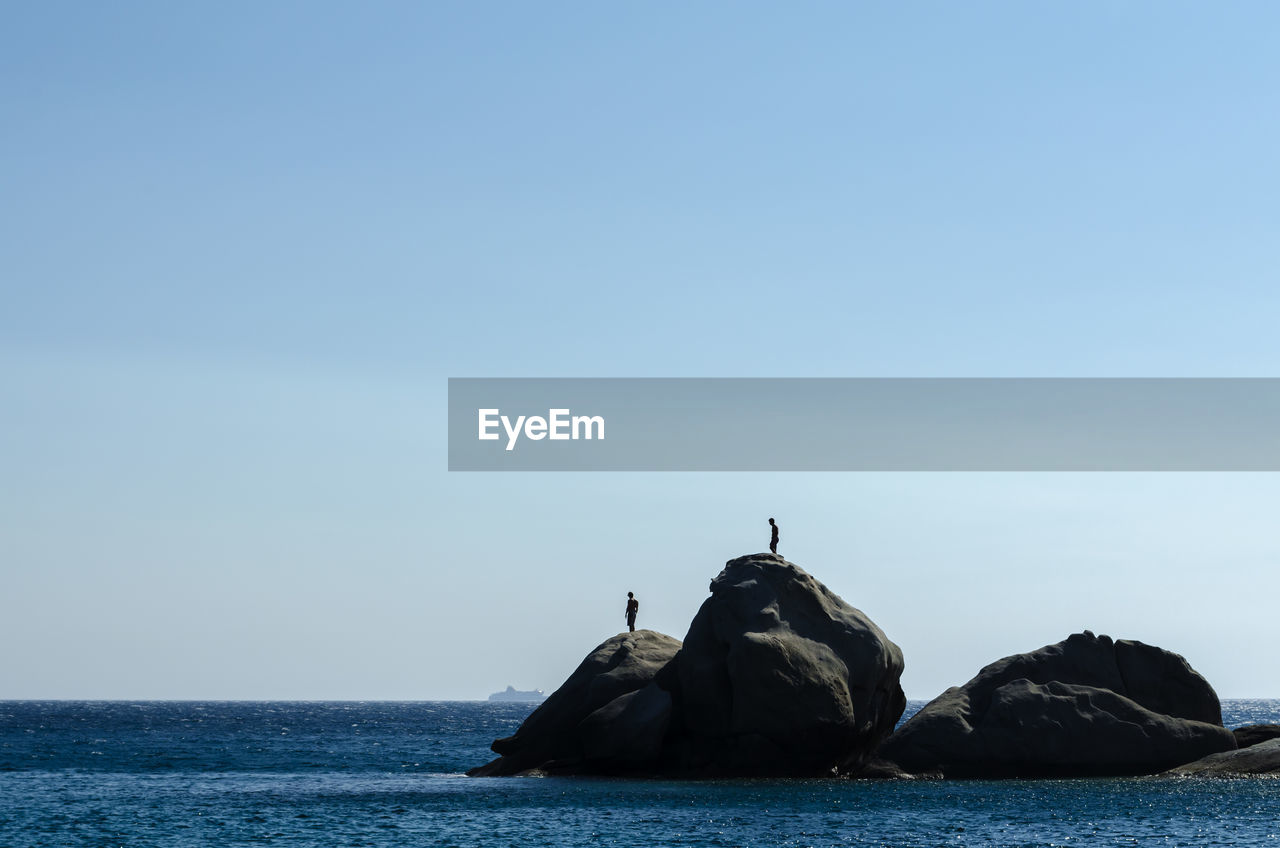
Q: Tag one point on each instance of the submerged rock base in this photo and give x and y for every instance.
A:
(1262, 758)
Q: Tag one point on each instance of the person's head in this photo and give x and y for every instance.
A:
(629, 595)
(770, 520)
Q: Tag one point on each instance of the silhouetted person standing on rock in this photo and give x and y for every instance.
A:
(633, 607)
(773, 539)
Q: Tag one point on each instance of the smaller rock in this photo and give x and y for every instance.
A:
(1086, 706)
(1262, 758)
(1252, 734)
(550, 738)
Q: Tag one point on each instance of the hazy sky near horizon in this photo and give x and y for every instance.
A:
(243, 246)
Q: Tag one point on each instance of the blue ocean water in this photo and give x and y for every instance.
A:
(390, 774)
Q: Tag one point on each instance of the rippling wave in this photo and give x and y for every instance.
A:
(389, 774)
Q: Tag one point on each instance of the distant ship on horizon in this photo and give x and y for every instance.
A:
(514, 694)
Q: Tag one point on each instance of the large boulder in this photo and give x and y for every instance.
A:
(1261, 758)
(1085, 706)
(551, 737)
(778, 675)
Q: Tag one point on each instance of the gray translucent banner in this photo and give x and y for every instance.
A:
(789, 424)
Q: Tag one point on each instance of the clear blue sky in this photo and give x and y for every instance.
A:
(242, 246)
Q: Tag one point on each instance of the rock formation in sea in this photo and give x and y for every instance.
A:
(550, 737)
(777, 676)
(1262, 758)
(1084, 706)
(1252, 734)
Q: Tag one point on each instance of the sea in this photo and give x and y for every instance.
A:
(231, 773)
